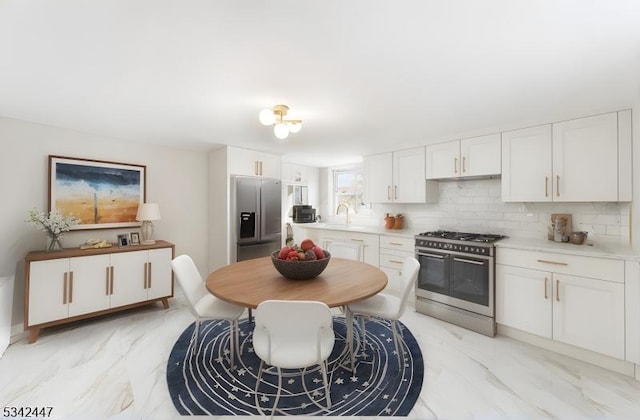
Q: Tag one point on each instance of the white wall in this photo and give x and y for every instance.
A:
(476, 206)
(176, 179)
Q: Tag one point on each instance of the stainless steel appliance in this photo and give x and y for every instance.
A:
(256, 212)
(304, 214)
(456, 282)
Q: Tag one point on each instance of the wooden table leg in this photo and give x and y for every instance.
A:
(165, 303)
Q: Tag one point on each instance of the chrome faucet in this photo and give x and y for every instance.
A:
(346, 207)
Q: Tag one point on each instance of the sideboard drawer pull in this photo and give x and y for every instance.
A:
(552, 262)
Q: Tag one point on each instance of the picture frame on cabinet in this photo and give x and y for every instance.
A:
(135, 238)
(123, 240)
(102, 194)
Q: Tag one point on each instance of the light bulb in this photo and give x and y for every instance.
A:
(294, 127)
(267, 117)
(281, 131)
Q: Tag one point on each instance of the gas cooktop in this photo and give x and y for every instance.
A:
(461, 236)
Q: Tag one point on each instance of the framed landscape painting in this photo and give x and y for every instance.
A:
(101, 194)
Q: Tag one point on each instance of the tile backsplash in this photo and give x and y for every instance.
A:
(476, 206)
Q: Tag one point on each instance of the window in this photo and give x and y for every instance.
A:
(348, 187)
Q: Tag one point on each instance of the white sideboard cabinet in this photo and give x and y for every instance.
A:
(75, 284)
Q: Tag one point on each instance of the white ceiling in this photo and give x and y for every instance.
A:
(365, 75)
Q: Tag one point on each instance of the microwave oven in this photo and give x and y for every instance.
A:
(304, 214)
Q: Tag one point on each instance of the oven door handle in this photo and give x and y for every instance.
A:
(440, 257)
(468, 261)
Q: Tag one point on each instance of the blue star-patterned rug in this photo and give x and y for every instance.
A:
(203, 384)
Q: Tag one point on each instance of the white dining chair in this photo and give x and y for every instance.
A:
(203, 305)
(385, 306)
(347, 250)
(293, 335)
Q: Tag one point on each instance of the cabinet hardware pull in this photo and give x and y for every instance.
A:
(146, 275)
(552, 262)
(71, 287)
(395, 261)
(388, 192)
(557, 290)
(395, 192)
(149, 281)
(395, 243)
(255, 169)
(464, 260)
(260, 167)
(557, 185)
(111, 280)
(464, 159)
(440, 257)
(64, 289)
(455, 165)
(546, 186)
(546, 280)
(357, 240)
(108, 280)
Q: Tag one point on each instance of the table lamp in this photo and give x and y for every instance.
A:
(147, 212)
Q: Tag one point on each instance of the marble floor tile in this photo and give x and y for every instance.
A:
(115, 367)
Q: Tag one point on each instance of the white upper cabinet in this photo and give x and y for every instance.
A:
(379, 177)
(526, 164)
(408, 176)
(294, 174)
(443, 160)
(586, 159)
(480, 156)
(398, 177)
(252, 163)
(471, 157)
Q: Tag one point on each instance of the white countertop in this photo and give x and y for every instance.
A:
(375, 230)
(597, 249)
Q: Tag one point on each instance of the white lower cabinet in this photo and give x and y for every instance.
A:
(523, 300)
(393, 251)
(369, 243)
(70, 285)
(542, 297)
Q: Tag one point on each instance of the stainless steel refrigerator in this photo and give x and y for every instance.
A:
(257, 216)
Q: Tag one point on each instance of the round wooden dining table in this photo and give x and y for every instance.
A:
(250, 282)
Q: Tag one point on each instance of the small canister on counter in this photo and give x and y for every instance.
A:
(389, 221)
(399, 220)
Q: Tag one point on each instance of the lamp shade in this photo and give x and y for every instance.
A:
(148, 211)
(281, 130)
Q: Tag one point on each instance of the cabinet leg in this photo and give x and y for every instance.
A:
(33, 335)
(165, 303)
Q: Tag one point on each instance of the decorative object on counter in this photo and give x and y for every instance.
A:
(147, 213)
(302, 262)
(389, 221)
(123, 240)
(135, 238)
(289, 238)
(561, 227)
(101, 194)
(399, 221)
(578, 238)
(275, 117)
(95, 243)
(53, 224)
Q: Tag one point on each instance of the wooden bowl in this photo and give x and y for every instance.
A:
(300, 270)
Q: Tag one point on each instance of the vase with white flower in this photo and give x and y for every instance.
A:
(53, 224)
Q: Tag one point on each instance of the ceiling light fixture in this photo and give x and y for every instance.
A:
(281, 126)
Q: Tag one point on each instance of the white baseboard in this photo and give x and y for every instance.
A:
(601, 360)
(17, 333)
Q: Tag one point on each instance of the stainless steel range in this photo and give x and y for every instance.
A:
(456, 282)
